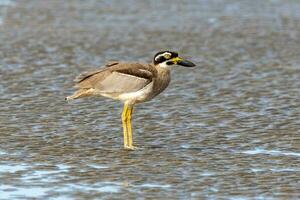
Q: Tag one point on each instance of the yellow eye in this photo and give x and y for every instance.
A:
(167, 56)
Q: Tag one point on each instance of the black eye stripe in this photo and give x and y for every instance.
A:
(160, 57)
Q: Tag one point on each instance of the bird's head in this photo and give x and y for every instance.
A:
(168, 58)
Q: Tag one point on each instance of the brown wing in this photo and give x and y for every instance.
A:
(88, 74)
(118, 78)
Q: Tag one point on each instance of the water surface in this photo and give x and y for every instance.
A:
(228, 128)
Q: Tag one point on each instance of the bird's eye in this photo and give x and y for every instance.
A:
(167, 56)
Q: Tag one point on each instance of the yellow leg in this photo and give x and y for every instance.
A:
(129, 128)
(124, 123)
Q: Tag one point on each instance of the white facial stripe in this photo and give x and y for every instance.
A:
(164, 65)
(163, 55)
(167, 53)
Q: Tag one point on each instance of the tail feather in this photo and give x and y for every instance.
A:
(80, 93)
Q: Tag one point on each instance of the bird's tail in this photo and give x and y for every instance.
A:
(78, 94)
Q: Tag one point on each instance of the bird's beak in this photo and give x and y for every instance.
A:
(182, 62)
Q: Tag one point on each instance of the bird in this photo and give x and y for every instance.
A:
(130, 83)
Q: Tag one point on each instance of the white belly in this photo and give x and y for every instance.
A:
(138, 96)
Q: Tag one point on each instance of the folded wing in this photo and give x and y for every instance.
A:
(117, 78)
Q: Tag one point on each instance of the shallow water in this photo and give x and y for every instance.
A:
(228, 128)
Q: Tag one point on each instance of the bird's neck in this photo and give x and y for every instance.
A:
(163, 71)
(163, 78)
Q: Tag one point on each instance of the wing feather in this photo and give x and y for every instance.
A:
(117, 78)
(121, 83)
(88, 74)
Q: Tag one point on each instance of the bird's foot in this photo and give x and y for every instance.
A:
(131, 148)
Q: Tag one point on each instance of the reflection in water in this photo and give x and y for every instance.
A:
(227, 129)
(271, 152)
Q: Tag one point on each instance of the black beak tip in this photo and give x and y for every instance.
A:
(186, 63)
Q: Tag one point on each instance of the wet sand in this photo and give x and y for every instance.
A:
(228, 128)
